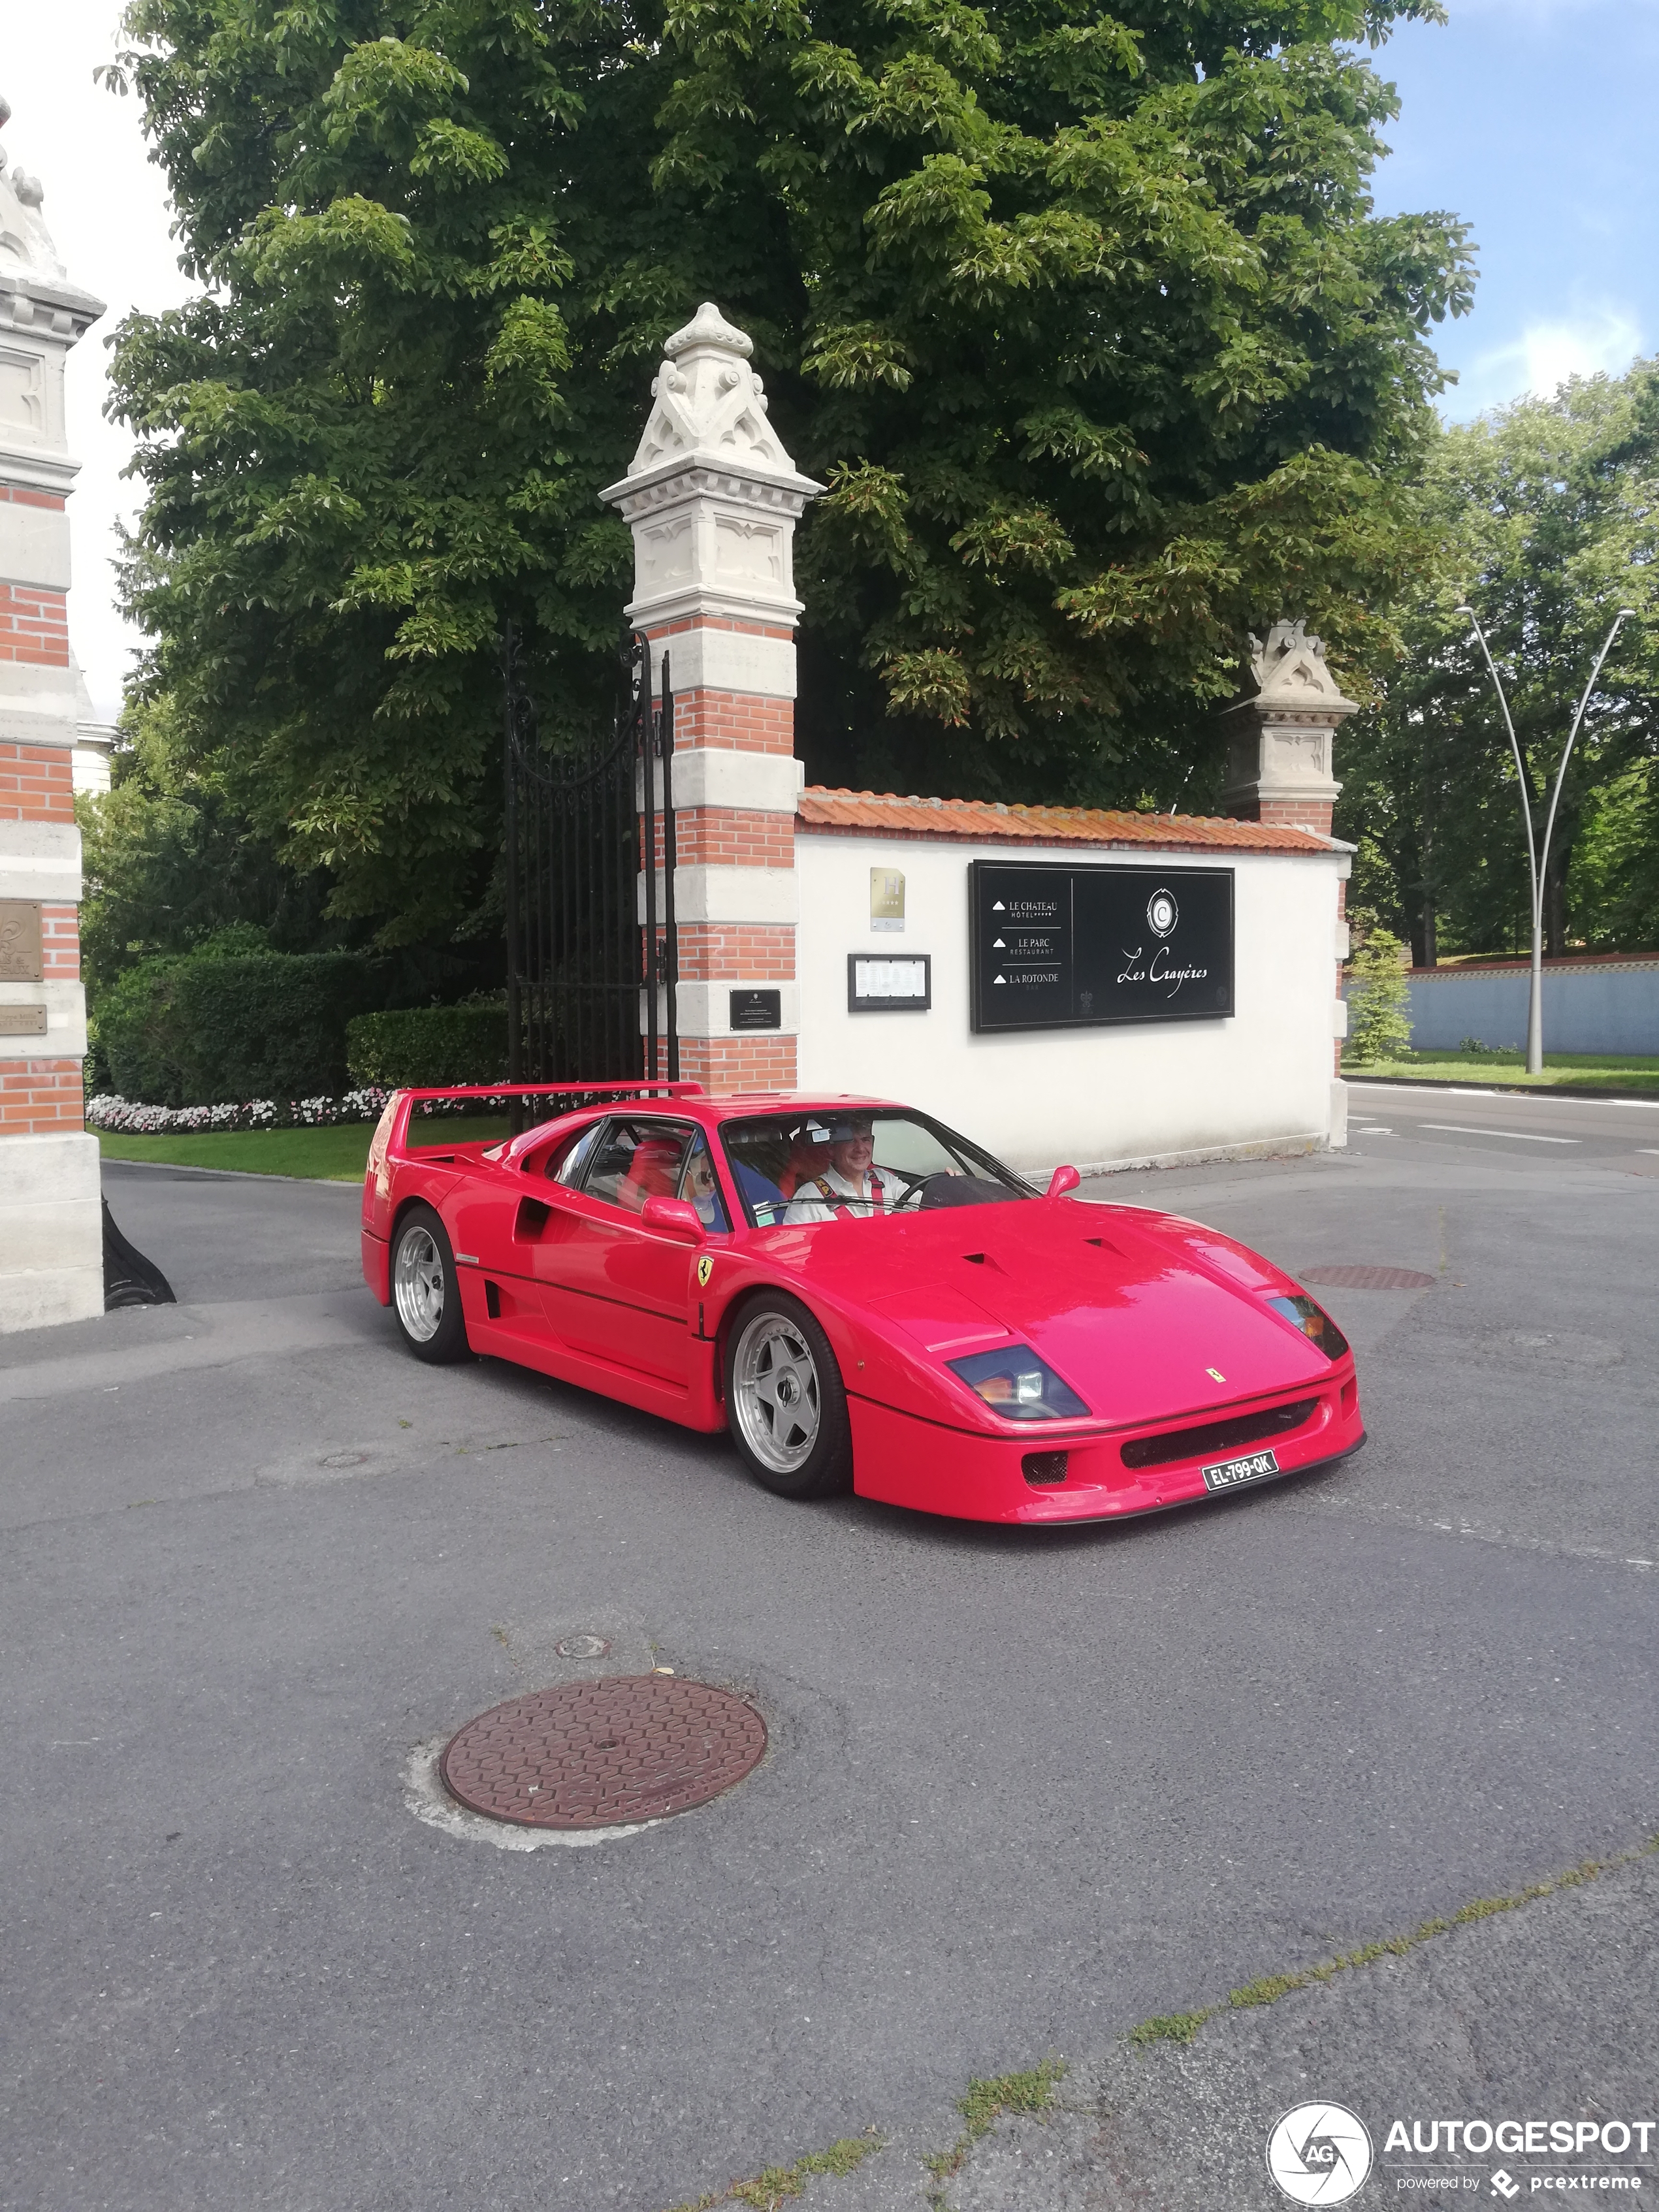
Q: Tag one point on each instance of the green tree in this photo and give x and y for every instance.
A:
(1379, 1009)
(1548, 511)
(1086, 321)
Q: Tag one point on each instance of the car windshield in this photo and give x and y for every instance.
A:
(822, 1163)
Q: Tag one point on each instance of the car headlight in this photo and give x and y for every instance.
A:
(1019, 1386)
(1314, 1324)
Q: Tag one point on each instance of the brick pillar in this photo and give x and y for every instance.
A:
(712, 499)
(51, 1233)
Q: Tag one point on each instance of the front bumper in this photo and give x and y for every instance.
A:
(906, 1461)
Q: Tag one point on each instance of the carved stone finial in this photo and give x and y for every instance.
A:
(24, 239)
(1290, 670)
(710, 327)
(709, 402)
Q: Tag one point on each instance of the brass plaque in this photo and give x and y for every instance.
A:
(886, 899)
(19, 942)
(23, 1021)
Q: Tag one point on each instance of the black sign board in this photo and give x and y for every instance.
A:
(1058, 947)
(756, 1009)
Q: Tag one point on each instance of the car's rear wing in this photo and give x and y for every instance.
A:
(440, 1113)
(453, 1105)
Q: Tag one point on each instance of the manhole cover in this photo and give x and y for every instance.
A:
(1368, 1279)
(600, 1755)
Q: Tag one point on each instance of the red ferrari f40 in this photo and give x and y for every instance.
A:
(863, 1298)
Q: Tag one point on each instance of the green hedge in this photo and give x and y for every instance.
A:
(198, 1029)
(423, 1047)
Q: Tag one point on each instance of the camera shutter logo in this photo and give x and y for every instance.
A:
(1319, 2154)
(1162, 912)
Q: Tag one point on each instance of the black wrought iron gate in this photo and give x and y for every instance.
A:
(587, 832)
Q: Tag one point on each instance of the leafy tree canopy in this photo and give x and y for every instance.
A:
(1548, 514)
(1085, 319)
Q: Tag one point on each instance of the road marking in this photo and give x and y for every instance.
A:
(1651, 1151)
(1383, 1515)
(1516, 1136)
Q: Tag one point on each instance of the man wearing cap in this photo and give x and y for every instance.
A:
(848, 1187)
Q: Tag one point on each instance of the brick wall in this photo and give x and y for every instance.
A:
(740, 722)
(36, 783)
(733, 837)
(740, 1063)
(60, 931)
(747, 951)
(40, 1098)
(34, 625)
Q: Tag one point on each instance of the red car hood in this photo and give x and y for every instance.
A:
(1144, 1314)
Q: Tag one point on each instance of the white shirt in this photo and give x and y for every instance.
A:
(810, 1204)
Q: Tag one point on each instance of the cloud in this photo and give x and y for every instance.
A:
(1606, 338)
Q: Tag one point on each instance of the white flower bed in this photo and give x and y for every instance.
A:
(121, 1117)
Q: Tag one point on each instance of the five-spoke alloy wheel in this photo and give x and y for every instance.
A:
(785, 1404)
(425, 1296)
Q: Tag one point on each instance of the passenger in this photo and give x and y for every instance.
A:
(701, 1190)
(849, 1186)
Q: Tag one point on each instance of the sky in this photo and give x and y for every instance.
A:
(1532, 119)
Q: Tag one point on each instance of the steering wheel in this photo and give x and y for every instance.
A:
(912, 1186)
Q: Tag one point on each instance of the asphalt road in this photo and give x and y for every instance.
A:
(1025, 1788)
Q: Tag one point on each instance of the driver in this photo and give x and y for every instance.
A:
(849, 1185)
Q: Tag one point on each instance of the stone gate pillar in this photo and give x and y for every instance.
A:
(51, 1229)
(1281, 735)
(1281, 732)
(712, 498)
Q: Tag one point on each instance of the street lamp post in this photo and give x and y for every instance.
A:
(1538, 860)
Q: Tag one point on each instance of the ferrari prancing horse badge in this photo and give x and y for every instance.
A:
(705, 1269)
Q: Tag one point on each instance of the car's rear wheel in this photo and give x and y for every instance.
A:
(425, 1294)
(785, 1404)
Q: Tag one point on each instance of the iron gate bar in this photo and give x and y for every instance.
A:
(578, 828)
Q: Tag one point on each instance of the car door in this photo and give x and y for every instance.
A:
(613, 1289)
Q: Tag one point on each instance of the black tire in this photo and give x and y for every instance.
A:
(426, 1295)
(793, 1435)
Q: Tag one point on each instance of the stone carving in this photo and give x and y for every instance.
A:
(709, 403)
(1290, 670)
(24, 238)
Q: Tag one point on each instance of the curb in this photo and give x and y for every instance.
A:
(228, 1174)
(1509, 1090)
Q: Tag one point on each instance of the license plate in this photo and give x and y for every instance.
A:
(1227, 1473)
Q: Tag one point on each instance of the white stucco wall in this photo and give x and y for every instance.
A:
(1259, 1081)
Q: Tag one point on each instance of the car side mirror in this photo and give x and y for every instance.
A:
(1061, 1181)
(675, 1216)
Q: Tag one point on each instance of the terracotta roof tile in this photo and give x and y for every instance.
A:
(989, 822)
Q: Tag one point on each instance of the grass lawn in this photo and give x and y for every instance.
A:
(336, 1155)
(328, 1154)
(1590, 1071)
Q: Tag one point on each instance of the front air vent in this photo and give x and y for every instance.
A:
(1217, 1437)
(1042, 1468)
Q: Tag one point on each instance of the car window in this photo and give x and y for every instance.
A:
(565, 1161)
(636, 1159)
(781, 1161)
(699, 1188)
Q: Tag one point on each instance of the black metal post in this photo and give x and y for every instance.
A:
(509, 776)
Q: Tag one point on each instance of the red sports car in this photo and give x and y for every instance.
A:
(862, 1298)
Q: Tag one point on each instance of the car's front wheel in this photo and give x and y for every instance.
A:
(785, 1404)
(425, 1294)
